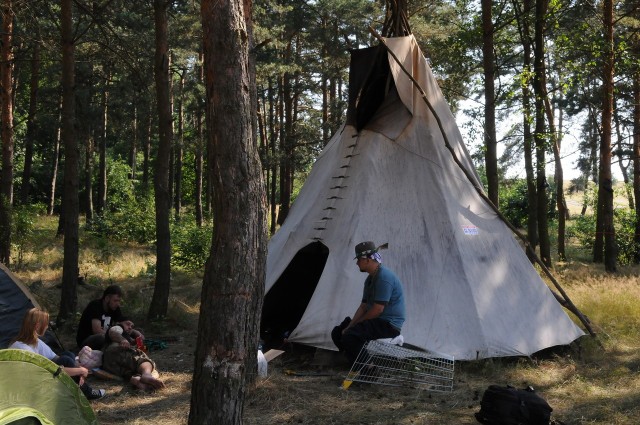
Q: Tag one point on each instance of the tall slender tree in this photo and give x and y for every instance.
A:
(160, 299)
(636, 157)
(233, 284)
(71, 202)
(31, 120)
(6, 116)
(490, 138)
(540, 131)
(605, 187)
(523, 20)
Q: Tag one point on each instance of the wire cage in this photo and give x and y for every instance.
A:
(387, 364)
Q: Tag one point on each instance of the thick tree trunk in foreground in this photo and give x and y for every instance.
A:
(234, 278)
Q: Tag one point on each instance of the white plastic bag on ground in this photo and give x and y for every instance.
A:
(262, 365)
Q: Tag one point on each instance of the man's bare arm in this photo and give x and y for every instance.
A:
(96, 326)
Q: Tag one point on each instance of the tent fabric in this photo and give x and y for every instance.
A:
(15, 300)
(33, 387)
(470, 290)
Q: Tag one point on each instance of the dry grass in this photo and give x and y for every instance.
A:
(592, 382)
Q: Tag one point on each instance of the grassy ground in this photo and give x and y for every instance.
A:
(594, 381)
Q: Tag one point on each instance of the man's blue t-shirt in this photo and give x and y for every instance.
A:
(385, 288)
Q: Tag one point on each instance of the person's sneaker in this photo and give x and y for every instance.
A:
(92, 394)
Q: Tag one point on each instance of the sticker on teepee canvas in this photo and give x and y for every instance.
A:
(470, 230)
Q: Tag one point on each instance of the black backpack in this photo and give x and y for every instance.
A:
(510, 406)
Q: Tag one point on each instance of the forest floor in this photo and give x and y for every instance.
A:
(593, 381)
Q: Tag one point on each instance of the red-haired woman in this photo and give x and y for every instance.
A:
(34, 325)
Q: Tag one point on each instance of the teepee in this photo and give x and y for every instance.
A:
(387, 176)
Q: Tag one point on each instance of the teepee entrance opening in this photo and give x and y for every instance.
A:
(287, 300)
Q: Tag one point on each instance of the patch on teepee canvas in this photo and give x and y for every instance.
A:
(470, 230)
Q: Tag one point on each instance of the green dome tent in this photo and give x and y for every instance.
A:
(34, 390)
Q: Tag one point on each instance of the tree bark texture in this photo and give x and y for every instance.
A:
(160, 299)
(556, 141)
(636, 158)
(6, 116)
(606, 183)
(71, 207)
(135, 132)
(101, 205)
(488, 65)
(55, 161)
(179, 147)
(528, 139)
(31, 122)
(85, 129)
(233, 285)
(540, 132)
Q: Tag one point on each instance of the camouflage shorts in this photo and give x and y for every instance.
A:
(124, 361)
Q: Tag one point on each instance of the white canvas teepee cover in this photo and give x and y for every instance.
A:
(470, 290)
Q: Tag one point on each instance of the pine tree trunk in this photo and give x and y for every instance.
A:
(6, 117)
(199, 158)
(147, 147)
(160, 299)
(620, 154)
(54, 165)
(606, 183)
(636, 160)
(233, 284)
(532, 222)
(71, 207)
(286, 138)
(199, 168)
(101, 205)
(84, 127)
(133, 149)
(31, 122)
(88, 179)
(274, 169)
(177, 199)
(540, 134)
(488, 65)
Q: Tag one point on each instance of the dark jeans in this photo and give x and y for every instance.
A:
(66, 359)
(351, 342)
(95, 342)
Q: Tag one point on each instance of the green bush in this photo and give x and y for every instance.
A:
(23, 225)
(514, 203)
(584, 229)
(190, 244)
(624, 223)
(130, 212)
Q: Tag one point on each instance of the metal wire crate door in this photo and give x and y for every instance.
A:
(387, 364)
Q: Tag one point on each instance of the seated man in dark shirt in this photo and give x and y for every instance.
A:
(98, 316)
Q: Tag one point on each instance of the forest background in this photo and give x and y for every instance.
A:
(106, 114)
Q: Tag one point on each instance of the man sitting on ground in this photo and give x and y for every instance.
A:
(98, 316)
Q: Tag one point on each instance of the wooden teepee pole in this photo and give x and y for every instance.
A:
(564, 300)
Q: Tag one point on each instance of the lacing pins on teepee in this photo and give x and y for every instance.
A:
(387, 362)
